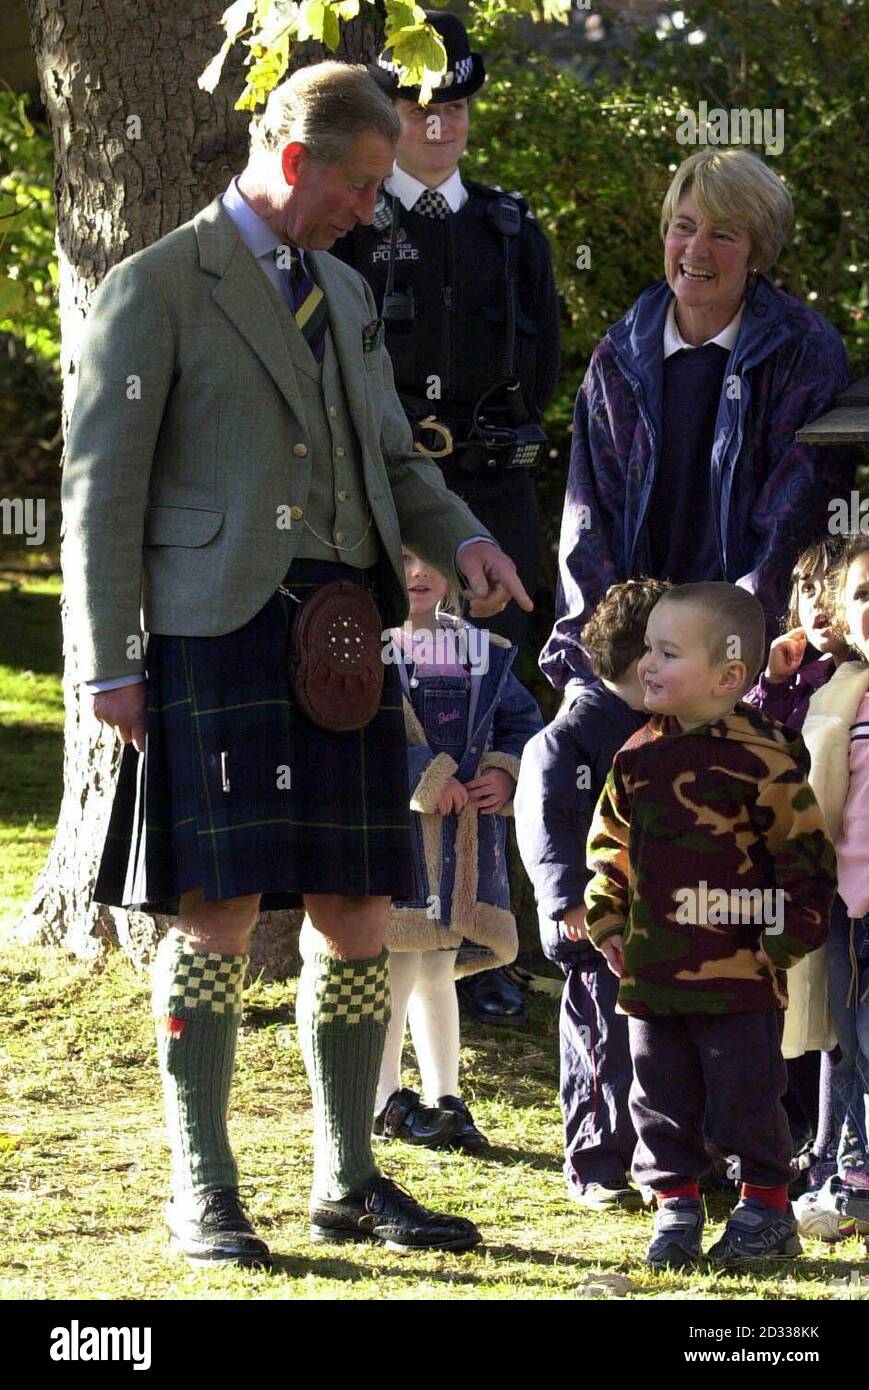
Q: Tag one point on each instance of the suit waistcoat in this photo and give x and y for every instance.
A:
(336, 507)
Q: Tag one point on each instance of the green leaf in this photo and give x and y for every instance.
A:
(401, 15)
(210, 76)
(347, 9)
(331, 28)
(312, 17)
(235, 18)
(421, 56)
(13, 297)
(557, 10)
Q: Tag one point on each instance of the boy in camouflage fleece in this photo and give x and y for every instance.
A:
(713, 873)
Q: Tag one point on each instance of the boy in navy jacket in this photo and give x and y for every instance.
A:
(563, 771)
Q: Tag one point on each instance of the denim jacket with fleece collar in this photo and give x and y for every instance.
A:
(502, 716)
(771, 492)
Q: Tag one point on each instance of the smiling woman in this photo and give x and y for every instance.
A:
(684, 462)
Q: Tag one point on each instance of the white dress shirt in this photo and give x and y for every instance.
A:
(674, 342)
(408, 190)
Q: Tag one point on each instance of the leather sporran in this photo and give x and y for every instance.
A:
(335, 657)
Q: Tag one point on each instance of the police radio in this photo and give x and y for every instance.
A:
(398, 305)
(502, 434)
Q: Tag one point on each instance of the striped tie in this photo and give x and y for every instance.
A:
(307, 303)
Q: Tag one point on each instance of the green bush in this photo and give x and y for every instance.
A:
(28, 264)
(30, 406)
(594, 158)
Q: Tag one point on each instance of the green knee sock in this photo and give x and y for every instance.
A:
(342, 1009)
(196, 999)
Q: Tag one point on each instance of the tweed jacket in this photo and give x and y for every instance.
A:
(187, 450)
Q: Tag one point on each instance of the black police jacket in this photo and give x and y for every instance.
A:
(455, 268)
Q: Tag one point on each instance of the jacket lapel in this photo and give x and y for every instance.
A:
(244, 295)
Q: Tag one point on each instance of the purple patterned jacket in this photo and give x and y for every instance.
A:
(785, 369)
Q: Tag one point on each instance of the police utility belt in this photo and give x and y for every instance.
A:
(500, 434)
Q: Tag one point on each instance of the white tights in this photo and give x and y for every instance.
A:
(423, 992)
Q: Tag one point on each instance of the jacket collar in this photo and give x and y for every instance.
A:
(639, 336)
(244, 295)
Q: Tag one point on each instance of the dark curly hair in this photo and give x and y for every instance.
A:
(615, 634)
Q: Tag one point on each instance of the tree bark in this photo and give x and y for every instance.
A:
(139, 149)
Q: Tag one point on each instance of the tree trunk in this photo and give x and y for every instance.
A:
(139, 149)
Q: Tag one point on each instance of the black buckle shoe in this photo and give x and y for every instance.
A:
(214, 1228)
(492, 997)
(404, 1118)
(468, 1137)
(381, 1210)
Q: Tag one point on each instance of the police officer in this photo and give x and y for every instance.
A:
(463, 277)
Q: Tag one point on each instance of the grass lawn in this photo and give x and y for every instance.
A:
(83, 1161)
(84, 1166)
(31, 731)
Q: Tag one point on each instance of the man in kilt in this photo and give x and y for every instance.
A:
(237, 442)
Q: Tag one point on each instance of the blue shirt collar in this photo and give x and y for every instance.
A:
(256, 234)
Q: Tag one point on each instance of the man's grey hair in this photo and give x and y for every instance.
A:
(325, 106)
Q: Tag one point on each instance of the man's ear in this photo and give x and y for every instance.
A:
(293, 155)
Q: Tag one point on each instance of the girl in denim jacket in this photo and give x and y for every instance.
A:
(467, 719)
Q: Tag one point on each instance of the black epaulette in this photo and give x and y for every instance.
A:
(382, 219)
(495, 189)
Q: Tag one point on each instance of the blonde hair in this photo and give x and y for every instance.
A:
(735, 190)
(326, 107)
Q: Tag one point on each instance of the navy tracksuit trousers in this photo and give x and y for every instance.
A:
(596, 1074)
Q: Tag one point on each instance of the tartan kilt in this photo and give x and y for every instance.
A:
(238, 792)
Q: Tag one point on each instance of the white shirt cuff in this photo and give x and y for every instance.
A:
(470, 541)
(94, 687)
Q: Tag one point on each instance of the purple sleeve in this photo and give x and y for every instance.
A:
(788, 701)
(785, 701)
(799, 478)
(586, 566)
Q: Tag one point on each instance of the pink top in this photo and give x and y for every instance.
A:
(852, 846)
(435, 653)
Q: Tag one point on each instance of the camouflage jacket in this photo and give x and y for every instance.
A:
(707, 844)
